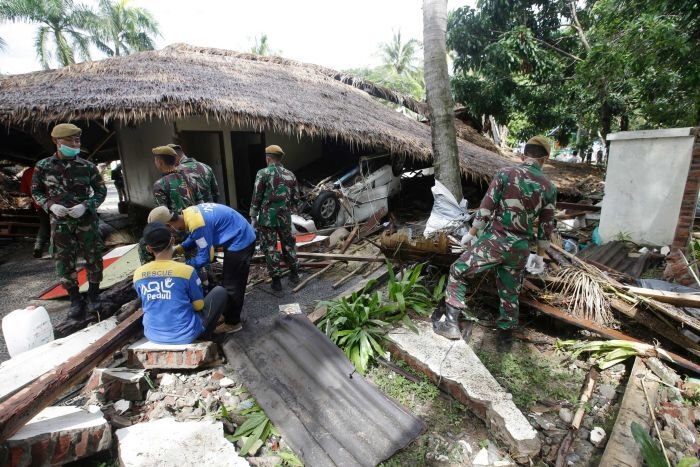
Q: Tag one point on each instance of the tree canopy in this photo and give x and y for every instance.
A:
(555, 65)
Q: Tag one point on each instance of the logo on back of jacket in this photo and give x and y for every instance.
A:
(157, 290)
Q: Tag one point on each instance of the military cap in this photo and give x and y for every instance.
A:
(164, 151)
(174, 146)
(539, 141)
(64, 130)
(161, 214)
(274, 150)
(157, 235)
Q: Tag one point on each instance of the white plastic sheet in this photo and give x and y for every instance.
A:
(447, 213)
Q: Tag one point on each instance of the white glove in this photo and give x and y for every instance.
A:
(59, 210)
(467, 240)
(535, 264)
(77, 211)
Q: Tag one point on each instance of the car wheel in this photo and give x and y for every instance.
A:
(325, 209)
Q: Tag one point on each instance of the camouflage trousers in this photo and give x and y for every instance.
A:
(506, 255)
(268, 244)
(71, 237)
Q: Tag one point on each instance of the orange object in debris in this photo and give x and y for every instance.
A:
(300, 238)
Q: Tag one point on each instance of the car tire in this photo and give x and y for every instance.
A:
(325, 209)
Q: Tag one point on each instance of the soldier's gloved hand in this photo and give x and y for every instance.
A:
(467, 240)
(59, 210)
(77, 211)
(535, 264)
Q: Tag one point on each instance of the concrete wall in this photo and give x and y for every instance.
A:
(644, 185)
(135, 143)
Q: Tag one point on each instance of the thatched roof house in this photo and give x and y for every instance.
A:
(228, 89)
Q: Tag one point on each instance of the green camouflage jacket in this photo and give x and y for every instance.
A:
(176, 191)
(68, 182)
(205, 179)
(275, 196)
(517, 198)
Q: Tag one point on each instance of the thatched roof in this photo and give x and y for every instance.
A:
(243, 89)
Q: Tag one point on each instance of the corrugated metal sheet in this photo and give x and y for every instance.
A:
(327, 413)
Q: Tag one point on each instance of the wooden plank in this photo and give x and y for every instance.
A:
(341, 257)
(674, 298)
(21, 407)
(577, 206)
(622, 449)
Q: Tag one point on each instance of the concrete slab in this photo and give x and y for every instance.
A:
(21, 370)
(58, 435)
(152, 444)
(455, 366)
(117, 383)
(146, 354)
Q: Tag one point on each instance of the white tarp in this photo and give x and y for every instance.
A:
(447, 213)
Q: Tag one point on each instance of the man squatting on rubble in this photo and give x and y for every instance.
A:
(171, 294)
(211, 226)
(516, 198)
(71, 189)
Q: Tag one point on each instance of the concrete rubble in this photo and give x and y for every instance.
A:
(117, 383)
(146, 354)
(168, 442)
(58, 435)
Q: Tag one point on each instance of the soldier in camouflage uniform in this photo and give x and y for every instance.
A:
(174, 190)
(71, 189)
(204, 175)
(517, 198)
(275, 195)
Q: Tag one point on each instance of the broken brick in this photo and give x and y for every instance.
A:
(146, 354)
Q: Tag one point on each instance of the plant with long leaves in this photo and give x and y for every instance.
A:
(357, 324)
(256, 427)
(610, 353)
(122, 29)
(409, 293)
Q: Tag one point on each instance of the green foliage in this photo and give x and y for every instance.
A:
(651, 450)
(357, 325)
(529, 378)
(404, 391)
(608, 353)
(688, 462)
(257, 426)
(289, 459)
(410, 294)
(261, 46)
(122, 29)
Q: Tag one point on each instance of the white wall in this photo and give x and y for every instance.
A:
(646, 176)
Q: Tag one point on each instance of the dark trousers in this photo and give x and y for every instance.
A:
(235, 280)
(214, 304)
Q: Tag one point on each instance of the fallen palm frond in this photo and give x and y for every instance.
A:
(586, 295)
(610, 353)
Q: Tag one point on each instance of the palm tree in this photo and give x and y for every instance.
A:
(261, 46)
(62, 22)
(122, 29)
(440, 102)
(399, 56)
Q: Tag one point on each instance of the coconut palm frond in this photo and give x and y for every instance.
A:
(585, 295)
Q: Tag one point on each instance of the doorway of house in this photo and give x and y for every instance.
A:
(249, 157)
(208, 147)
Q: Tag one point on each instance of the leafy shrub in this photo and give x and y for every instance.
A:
(410, 294)
(257, 426)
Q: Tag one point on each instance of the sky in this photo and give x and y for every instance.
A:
(337, 34)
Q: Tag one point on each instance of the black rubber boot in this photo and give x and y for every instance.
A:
(94, 297)
(38, 253)
(505, 340)
(77, 307)
(294, 277)
(276, 284)
(449, 328)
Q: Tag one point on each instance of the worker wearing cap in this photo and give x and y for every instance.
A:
(210, 226)
(275, 195)
(71, 189)
(203, 174)
(176, 189)
(175, 311)
(518, 208)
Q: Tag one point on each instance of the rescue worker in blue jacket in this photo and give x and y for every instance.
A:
(210, 226)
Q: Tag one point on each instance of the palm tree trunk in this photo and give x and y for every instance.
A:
(439, 96)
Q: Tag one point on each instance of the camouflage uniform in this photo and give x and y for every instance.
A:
(206, 185)
(516, 198)
(69, 183)
(275, 195)
(175, 191)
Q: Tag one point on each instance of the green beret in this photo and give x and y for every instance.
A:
(174, 146)
(164, 151)
(274, 150)
(64, 130)
(540, 141)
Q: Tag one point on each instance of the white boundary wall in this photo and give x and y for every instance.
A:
(646, 177)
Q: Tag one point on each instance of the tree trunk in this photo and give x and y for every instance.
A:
(439, 96)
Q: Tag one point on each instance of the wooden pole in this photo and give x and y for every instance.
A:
(340, 257)
(21, 407)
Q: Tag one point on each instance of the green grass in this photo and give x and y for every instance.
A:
(402, 390)
(530, 378)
